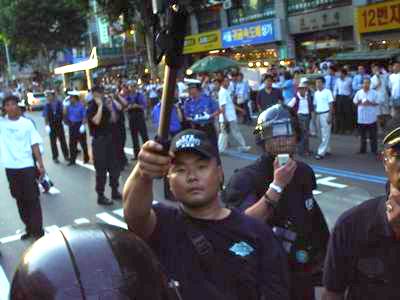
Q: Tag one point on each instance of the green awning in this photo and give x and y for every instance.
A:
(384, 54)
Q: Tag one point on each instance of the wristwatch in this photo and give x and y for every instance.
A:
(276, 188)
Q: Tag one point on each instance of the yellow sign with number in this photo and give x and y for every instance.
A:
(202, 42)
(379, 17)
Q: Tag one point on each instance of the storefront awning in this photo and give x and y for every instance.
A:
(384, 54)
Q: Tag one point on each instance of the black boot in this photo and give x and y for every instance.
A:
(115, 195)
(103, 200)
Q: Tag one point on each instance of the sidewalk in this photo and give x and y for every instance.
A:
(344, 153)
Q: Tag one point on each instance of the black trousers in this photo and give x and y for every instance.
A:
(74, 137)
(25, 191)
(57, 133)
(137, 125)
(105, 161)
(371, 130)
(344, 114)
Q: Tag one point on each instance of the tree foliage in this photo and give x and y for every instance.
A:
(42, 27)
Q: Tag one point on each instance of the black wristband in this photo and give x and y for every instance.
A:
(270, 203)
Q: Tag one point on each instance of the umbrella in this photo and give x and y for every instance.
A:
(213, 64)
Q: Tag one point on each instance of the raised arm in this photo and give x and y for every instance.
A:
(138, 189)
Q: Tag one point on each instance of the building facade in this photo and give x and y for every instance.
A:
(260, 32)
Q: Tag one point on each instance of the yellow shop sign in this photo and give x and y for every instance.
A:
(202, 42)
(379, 17)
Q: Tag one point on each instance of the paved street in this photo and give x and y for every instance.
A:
(344, 180)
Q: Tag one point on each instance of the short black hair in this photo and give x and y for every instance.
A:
(320, 78)
(10, 98)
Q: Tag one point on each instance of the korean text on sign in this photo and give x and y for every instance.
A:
(379, 17)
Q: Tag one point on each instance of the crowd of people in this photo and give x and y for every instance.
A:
(274, 242)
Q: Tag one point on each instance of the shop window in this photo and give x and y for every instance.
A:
(250, 11)
(209, 19)
(298, 6)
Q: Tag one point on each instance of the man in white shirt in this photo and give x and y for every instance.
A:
(379, 84)
(242, 94)
(367, 103)
(18, 141)
(228, 118)
(344, 114)
(394, 86)
(323, 104)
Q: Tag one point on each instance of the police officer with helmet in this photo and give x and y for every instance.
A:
(200, 110)
(101, 118)
(278, 190)
(363, 254)
(90, 261)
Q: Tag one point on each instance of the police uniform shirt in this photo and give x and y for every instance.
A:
(50, 105)
(16, 141)
(247, 259)
(76, 112)
(137, 98)
(297, 211)
(174, 124)
(105, 127)
(200, 106)
(363, 254)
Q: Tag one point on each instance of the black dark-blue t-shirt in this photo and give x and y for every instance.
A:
(248, 259)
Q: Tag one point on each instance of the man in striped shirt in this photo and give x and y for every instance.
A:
(367, 102)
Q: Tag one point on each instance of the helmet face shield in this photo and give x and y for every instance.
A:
(280, 145)
(275, 130)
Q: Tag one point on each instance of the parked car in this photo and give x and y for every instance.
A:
(36, 100)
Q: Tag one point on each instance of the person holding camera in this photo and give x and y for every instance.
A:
(278, 190)
(211, 251)
(101, 118)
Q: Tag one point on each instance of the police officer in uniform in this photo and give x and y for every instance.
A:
(101, 116)
(279, 192)
(363, 254)
(200, 111)
(75, 115)
(137, 122)
(53, 116)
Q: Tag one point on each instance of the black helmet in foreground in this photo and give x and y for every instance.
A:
(91, 261)
(275, 125)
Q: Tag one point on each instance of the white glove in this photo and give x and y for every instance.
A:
(206, 116)
(48, 129)
(196, 117)
(82, 129)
